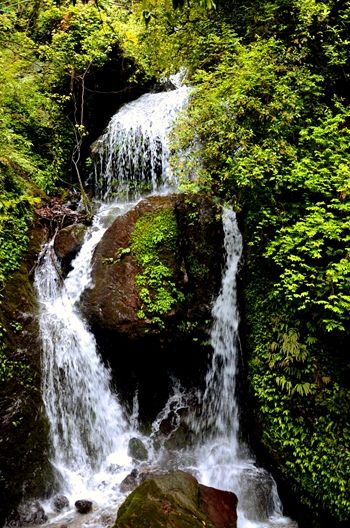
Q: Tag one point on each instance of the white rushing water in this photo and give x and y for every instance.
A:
(222, 460)
(132, 157)
(89, 428)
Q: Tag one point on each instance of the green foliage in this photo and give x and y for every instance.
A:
(76, 37)
(268, 130)
(14, 217)
(303, 410)
(154, 246)
(30, 150)
(313, 251)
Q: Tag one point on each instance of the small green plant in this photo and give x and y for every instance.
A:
(118, 256)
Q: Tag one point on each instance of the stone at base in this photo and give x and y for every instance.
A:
(83, 506)
(60, 502)
(176, 499)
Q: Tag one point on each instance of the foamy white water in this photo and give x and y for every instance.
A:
(88, 428)
(132, 157)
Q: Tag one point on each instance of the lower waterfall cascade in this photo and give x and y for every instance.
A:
(89, 427)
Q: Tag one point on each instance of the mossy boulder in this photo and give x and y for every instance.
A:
(157, 263)
(24, 467)
(155, 274)
(137, 449)
(177, 500)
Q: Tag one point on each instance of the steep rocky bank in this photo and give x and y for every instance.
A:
(25, 471)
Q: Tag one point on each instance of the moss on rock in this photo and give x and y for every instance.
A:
(176, 500)
(154, 244)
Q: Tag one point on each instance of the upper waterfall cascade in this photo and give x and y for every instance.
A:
(132, 157)
(89, 428)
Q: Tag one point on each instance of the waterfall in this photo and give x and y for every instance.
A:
(217, 456)
(221, 458)
(87, 423)
(89, 428)
(221, 414)
(132, 157)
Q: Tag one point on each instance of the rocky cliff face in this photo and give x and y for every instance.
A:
(25, 470)
(155, 274)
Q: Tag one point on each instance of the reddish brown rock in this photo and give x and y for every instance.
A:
(177, 500)
(220, 506)
(113, 302)
(69, 240)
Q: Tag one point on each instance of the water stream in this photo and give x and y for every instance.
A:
(89, 428)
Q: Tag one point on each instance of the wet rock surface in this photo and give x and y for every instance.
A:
(130, 482)
(68, 242)
(30, 513)
(137, 449)
(25, 469)
(257, 499)
(60, 503)
(177, 499)
(83, 506)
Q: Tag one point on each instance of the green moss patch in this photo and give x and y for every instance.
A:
(154, 246)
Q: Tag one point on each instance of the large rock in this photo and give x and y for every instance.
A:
(137, 449)
(145, 350)
(177, 500)
(114, 302)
